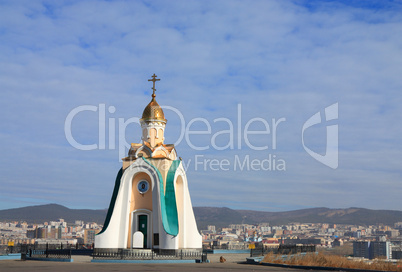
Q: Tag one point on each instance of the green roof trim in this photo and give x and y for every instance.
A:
(170, 219)
(170, 199)
(112, 201)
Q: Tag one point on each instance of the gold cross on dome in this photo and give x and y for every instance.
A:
(154, 79)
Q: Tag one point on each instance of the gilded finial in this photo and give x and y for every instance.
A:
(154, 79)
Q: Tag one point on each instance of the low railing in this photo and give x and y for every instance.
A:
(50, 253)
(124, 254)
(77, 249)
(227, 247)
(282, 249)
(294, 249)
(261, 251)
(5, 249)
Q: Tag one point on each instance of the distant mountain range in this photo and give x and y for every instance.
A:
(354, 216)
(219, 217)
(52, 212)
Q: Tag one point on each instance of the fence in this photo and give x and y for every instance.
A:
(61, 251)
(294, 249)
(50, 253)
(5, 249)
(261, 251)
(127, 254)
(55, 251)
(283, 249)
(226, 247)
(77, 249)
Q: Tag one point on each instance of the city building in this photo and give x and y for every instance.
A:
(151, 206)
(380, 249)
(372, 249)
(396, 254)
(361, 249)
(211, 228)
(337, 242)
(89, 236)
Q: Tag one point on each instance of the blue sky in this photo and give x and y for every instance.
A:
(276, 59)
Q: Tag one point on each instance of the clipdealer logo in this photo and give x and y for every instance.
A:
(330, 158)
(242, 163)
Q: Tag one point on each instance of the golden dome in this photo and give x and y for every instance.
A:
(153, 111)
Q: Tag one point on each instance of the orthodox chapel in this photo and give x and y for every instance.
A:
(150, 206)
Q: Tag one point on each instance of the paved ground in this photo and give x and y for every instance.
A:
(82, 263)
(24, 266)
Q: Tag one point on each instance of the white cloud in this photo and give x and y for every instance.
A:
(276, 58)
